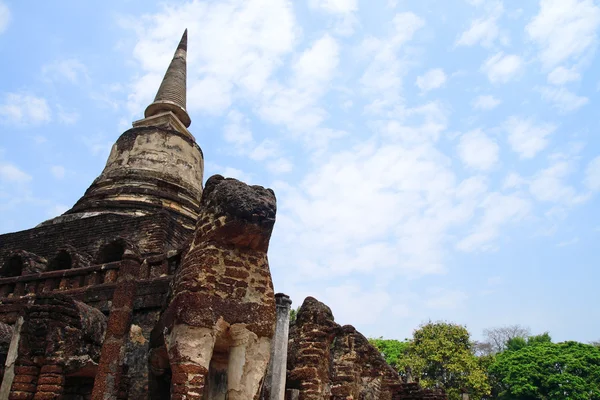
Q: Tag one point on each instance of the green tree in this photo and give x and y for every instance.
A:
(542, 370)
(516, 343)
(441, 355)
(539, 339)
(485, 361)
(394, 352)
(293, 315)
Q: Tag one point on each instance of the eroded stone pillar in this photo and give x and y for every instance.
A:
(248, 360)
(292, 394)
(110, 367)
(275, 379)
(11, 358)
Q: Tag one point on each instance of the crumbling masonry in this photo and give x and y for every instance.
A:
(155, 287)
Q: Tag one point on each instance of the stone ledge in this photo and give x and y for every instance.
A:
(167, 120)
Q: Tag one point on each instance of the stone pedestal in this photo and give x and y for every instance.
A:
(275, 378)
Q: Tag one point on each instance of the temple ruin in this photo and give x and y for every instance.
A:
(153, 286)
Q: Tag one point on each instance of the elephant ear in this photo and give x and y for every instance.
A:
(212, 183)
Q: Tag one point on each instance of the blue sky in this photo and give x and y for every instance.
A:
(431, 159)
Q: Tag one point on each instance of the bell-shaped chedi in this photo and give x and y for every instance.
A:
(157, 165)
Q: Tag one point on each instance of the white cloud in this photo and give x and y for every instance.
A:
(472, 188)
(418, 204)
(549, 184)
(228, 172)
(234, 48)
(344, 10)
(562, 99)
(417, 125)
(561, 75)
(352, 304)
(58, 171)
(432, 79)
(237, 132)
(335, 6)
(527, 138)
(385, 70)
(513, 181)
(11, 173)
(295, 105)
(592, 175)
(564, 29)
(484, 30)
(477, 150)
(4, 16)
(498, 210)
(501, 68)
(486, 102)
(317, 64)
(24, 109)
(70, 69)
(264, 150)
(236, 173)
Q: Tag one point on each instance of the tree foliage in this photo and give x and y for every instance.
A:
(542, 370)
(394, 352)
(526, 368)
(441, 355)
(538, 339)
(518, 343)
(293, 315)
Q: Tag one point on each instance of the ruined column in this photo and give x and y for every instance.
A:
(292, 394)
(275, 379)
(110, 367)
(11, 358)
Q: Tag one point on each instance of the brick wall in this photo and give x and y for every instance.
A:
(152, 234)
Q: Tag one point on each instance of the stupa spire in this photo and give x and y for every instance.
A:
(171, 95)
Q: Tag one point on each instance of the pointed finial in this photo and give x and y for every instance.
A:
(171, 95)
(183, 42)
